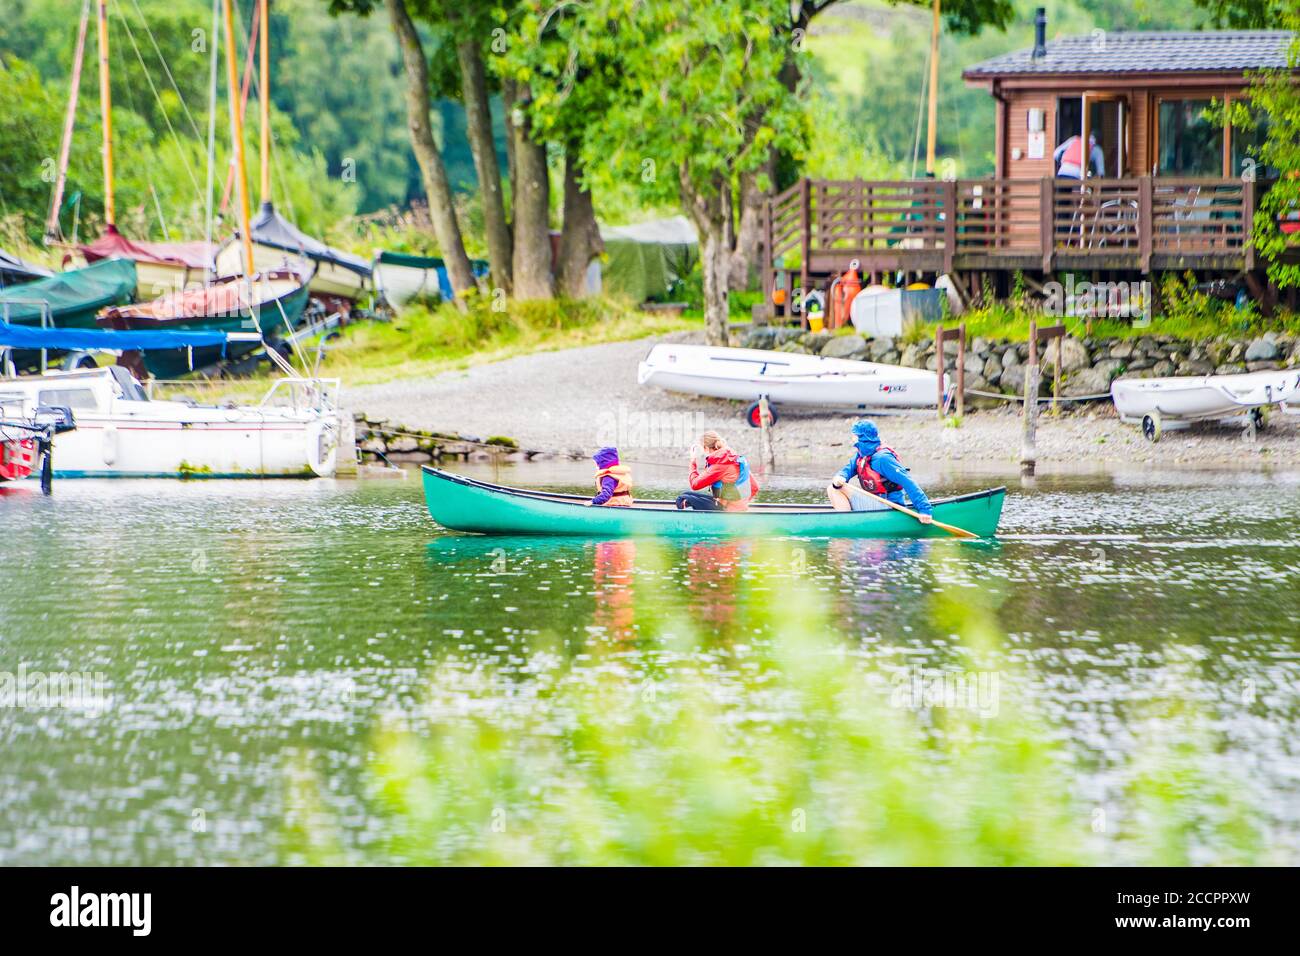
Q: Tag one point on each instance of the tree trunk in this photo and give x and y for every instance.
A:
(708, 213)
(532, 201)
(441, 210)
(478, 122)
(744, 255)
(579, 236)
(508, 107)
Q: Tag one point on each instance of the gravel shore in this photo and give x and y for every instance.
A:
(573, 401)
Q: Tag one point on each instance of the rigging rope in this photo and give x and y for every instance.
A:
(166, 69)
(185, 160)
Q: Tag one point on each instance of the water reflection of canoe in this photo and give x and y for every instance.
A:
(463, 504)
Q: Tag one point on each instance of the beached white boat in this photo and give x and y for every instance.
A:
(786, 378)
(122, 433)
(1154, 402)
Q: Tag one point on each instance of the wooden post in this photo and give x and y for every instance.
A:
(1248, 222)
(961, 370)
(1056, 381)
(938, 364)
(949, 224)
(1029, 420)
(765, 432)
(805, 224)
(1146, 230)
(1047, 221)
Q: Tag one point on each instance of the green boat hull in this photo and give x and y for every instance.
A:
(462, 504)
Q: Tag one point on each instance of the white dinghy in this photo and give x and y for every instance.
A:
(122, 433)
(786, 378)
(1155, 403)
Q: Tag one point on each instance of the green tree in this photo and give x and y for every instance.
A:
(695, 100)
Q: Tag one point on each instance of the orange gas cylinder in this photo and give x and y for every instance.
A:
(847, 287)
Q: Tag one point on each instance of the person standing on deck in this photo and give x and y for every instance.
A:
(879, 472)
(725, 474)
(1069, 157)
(613, 480)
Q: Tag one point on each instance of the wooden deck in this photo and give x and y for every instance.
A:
(1038, 226)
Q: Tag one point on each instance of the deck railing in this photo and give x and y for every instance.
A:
(818, 226)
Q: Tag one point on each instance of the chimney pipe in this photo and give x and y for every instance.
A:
(1040, 32)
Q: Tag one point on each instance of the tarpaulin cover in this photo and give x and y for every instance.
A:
(190, 255)
(94, 340)
(272, 229)
(74, 296)
(642, 261)
(225, 297)
(15, 270)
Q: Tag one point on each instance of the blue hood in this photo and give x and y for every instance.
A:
(606, 457)
(867, 437)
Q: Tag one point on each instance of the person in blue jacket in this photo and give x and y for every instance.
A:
(879, 472)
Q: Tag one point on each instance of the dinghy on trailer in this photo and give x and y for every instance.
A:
(1155, 403)
(787, 378)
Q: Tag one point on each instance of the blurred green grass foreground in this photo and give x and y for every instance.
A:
(789, 749)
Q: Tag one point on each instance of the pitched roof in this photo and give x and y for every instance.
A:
(1120, 52)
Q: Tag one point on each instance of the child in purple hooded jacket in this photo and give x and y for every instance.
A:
(613, 480)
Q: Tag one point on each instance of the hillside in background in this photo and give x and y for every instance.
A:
(342, 145)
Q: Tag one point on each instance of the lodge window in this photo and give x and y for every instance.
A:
(1190, 142)
(1246, 145)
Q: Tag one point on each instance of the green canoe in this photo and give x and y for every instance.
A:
(463, 504)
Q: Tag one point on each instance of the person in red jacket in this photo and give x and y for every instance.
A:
(725, 474)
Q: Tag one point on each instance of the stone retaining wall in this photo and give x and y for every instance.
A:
(387, 441)
(1088, 365)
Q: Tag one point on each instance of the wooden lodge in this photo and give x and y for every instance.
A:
(1166, 188)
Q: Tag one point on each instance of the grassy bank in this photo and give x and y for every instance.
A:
(427, 339)
(1179, 310)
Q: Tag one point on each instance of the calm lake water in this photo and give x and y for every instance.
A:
(250, 631)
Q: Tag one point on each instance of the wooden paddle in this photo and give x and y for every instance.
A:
(950, 528)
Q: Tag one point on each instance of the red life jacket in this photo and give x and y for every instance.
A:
(1073, 151)
(872, 480)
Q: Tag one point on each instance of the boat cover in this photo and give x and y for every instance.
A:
(189, 255)
(14, 270)
(108, 282)
(95, 340)
(435, 264)
(272, 229)
(223, 298)
(644, 261)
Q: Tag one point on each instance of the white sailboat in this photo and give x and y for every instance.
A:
(787, 378)
(122, 433)
(1154, 403)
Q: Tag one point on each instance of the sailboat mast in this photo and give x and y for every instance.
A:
(931, 135)
(237, 134)
(264, 88)
(106, 111)
(65, 147)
